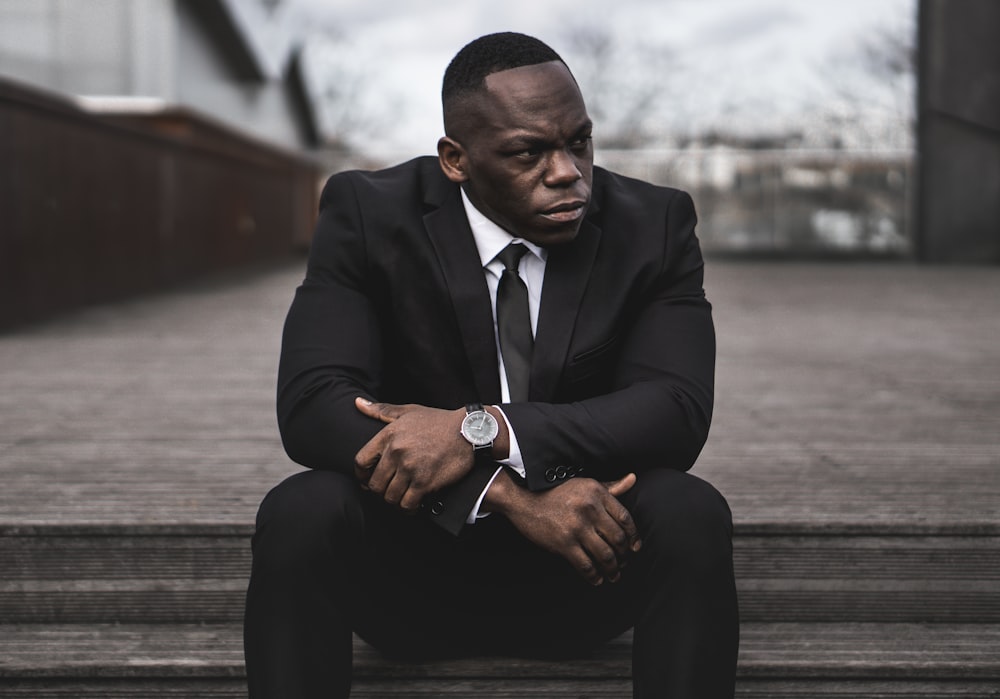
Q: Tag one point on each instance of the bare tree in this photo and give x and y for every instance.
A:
(867, 97)
(625, 84)
(342, 86)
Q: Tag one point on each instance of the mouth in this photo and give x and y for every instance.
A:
(566, 211)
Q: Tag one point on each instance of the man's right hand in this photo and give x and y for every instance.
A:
(580, 520)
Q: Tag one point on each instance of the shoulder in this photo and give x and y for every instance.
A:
(635, 210)
(651, 225)
(616, 194)
(401, 184)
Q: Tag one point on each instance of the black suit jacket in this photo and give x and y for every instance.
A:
(395, 307)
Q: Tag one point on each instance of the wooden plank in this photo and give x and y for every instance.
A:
(138, 551)
(747, 689)
(146, 573)
(873, 651)
(125, 553)
(865, 689)
(44, 688)
(776, 660)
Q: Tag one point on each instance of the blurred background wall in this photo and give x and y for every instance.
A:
(959, 137)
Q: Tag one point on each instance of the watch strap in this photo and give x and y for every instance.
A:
(480, 449)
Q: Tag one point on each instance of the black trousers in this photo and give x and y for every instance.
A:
(329, 559)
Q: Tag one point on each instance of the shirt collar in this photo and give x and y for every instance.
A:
(491, 238)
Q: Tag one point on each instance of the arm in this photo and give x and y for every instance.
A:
(583, 522)
(332, 353)
(331, 346)
(418, 452)
(658, 411)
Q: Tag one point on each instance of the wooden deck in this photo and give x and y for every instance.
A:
(856, 436)
(848, 396)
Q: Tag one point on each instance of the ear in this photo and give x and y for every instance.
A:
(451, 156)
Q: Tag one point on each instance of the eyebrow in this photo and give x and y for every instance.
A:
(529, 140)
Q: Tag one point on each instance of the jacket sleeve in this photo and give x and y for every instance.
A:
(332, 352)
(330, 347)
(660, 407)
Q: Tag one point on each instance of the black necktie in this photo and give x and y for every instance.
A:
(514, 323)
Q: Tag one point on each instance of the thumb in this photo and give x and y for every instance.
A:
(622, 485)
(384, 412)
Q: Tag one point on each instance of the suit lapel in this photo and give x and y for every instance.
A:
(449, 232)
(567, 272)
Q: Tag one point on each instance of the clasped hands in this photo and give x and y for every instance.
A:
(421, 450)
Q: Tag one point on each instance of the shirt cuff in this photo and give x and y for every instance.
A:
(513, 459)
(474, 512)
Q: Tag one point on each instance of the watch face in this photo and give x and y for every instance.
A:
(479, 427)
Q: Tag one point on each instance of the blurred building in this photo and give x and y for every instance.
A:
(144, 143)
(225, 58)
(786, 202)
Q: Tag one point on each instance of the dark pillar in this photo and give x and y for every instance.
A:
(958, 202)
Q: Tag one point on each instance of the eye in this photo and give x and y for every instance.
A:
(581, 143)
(528, 153)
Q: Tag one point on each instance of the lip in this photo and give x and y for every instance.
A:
(566, 211)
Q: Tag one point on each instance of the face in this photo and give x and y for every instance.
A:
(521, 148)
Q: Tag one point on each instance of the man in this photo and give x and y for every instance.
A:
(507, 273)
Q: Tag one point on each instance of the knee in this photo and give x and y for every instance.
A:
(307, 515)
(683, 516)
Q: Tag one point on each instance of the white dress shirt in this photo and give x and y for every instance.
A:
(490, 240)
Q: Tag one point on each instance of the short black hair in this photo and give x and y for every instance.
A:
(491, 54)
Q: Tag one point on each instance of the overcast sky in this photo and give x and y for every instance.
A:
(741, 65)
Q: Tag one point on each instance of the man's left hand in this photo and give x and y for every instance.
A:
(419, 451)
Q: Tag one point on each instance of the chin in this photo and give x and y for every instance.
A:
(551, 239)
(555, 237)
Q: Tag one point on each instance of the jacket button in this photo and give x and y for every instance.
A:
(550, 474)
(560, 472)
(437, 508)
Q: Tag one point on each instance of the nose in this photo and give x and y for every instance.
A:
(562, 169)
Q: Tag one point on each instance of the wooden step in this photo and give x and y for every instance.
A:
(198, 574)
(884, 574)
(776, 660)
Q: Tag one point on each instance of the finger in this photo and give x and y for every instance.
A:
(622, 485)
(581, 561)
(380, 477)
(410, 502)
(624, 519)
(369, 455)
(362, 474)
(383, 412)
(603, 557)
(396, 489)
(617, 534)
(619, 511)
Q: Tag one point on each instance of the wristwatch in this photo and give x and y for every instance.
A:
(479, 427)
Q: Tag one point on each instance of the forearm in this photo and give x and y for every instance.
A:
(644, 425)
(323, 430)
(654, 415)
(584, 522)
(502, 496)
